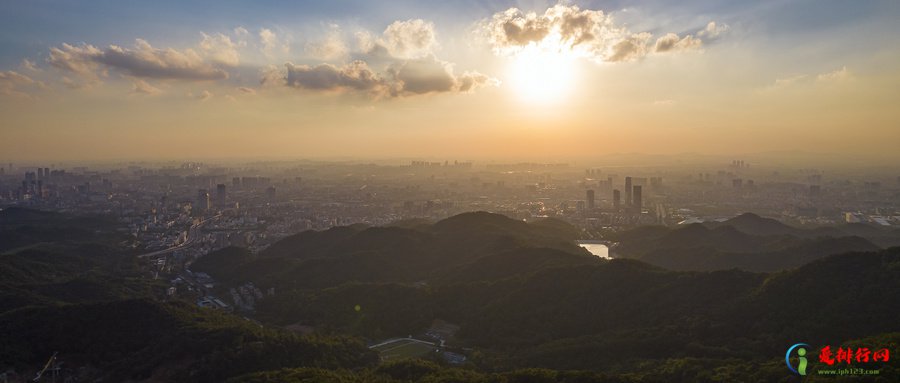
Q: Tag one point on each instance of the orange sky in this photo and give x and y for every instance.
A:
(622, 80)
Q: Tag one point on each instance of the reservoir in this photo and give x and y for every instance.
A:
(595, 248)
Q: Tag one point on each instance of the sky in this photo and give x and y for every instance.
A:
(451, 79)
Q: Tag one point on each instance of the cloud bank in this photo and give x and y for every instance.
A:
(145, 61)
(585, 33)
(401, 61)
(403, 78)
(406, 53)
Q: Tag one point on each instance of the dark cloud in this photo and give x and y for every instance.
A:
(353, 76)
(425, 75)
(403, 78)
(430, 75)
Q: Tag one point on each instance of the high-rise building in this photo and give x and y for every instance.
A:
(638, 200)
(627, 191)
(221, 195)
(737, 183)
(617, 199)
(202, 200)
(46, 172)
(590, 199)
(236, 182)
(40, 172)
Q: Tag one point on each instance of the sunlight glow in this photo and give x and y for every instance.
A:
(541, 75)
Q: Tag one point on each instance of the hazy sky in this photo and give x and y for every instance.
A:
(456, 79)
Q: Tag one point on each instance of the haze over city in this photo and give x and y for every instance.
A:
(475, 80)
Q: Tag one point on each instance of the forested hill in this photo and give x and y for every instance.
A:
(466, 247)
(529, 305)
(627, 318)
(536, 301)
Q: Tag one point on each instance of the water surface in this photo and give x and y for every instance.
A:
(597, 249)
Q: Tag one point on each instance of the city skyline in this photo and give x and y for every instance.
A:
(460, 79)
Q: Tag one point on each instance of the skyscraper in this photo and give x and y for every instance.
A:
(221, 195)
(617, 199)
(590, 199)
(627, 191)
(202, 200)
(638, 200)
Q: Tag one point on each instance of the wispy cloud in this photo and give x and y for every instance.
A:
(672, 42)
(15, 84)
(218, 48)
(835, 75)
(272, 44)
(331, 47)
(30, 66)
(142, 87)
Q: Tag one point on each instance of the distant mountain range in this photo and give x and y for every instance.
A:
(748, 242)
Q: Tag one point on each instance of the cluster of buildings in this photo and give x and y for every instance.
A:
(253, 205)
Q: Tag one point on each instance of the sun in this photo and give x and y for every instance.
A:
(540, 75)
